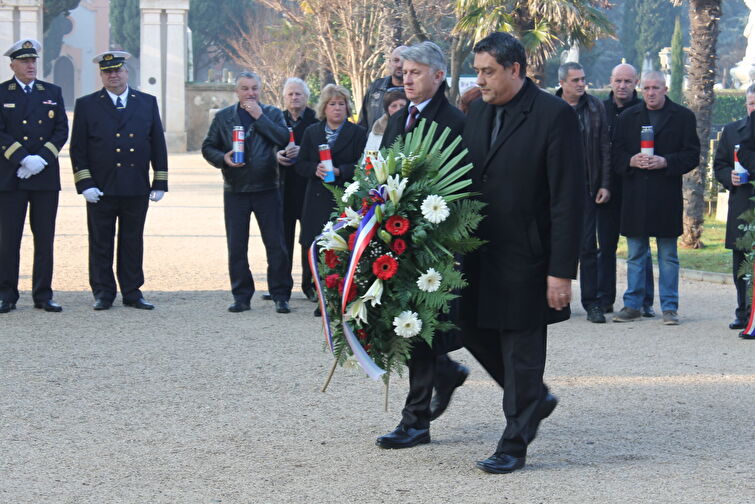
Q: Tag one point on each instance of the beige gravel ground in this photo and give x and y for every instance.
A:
(192, 404)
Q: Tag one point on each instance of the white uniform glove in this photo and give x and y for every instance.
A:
(156, 195)
(34, 164)
(92, 195)
(23, 172)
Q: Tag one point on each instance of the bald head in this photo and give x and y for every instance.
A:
(623, 83)
(395, 65)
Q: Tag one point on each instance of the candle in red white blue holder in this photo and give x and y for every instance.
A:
(238, 145)
(744, 176)
(647, 140)
(327, 160)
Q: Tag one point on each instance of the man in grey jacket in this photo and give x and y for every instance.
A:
(251, 186)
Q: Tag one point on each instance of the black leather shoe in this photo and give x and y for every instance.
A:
(267, 297)
(238, 307)
(101, 304)
(311, 295)
(442, 398)
(595, 315)
(6, 306)
(139, 304)
(738, 323)
(404, 437)
(281, 306)
(501, 464)
(49, 306)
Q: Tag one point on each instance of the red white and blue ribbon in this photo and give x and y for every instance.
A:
(749, 329)
(367, 228)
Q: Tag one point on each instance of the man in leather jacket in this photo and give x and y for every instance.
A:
(251, 186)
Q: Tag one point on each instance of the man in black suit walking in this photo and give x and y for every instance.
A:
(33, 129)
(528, 167)
(117, 134)
(424, 67)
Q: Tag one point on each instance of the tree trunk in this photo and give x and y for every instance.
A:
(397, 35)
(704, 16)
(459, 50)
(414, 22)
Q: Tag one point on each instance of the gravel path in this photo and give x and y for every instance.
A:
(192, 404)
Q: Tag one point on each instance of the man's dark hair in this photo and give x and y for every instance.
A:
(506, 50)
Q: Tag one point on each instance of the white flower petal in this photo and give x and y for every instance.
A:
(351, 189)
(430, 281)
(374, 293)
(407, 324)
(435, 209)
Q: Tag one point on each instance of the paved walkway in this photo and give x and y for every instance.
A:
(192, 404)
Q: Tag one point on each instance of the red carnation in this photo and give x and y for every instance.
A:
(398, 246)
(331, 259)
(362, 334)
(384, 267)
(352, 239)
(333, 281)
(397, 225)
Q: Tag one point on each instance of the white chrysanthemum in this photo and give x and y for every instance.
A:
(352, 217)
(396, 186)
(374, 293)
(434, 209)
(357, 311)
(430, 281)
(407, 324)
(351, 189)
(331, 240)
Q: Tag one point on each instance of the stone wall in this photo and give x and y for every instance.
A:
(202, 101)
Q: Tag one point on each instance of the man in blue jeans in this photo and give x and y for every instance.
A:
(652, 205)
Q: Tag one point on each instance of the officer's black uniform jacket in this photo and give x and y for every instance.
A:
(112, 149)
(34, 124)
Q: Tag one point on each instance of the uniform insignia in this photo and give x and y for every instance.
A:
(12, 86)
(9, 105)
(107, 57)
(49, 102)
(39, 87)
(27, 45)
(376, 95)
(51, 114)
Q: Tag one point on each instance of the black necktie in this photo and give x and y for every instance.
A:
(119, 104)
(413, 113)
(498, 125)
(27, 89)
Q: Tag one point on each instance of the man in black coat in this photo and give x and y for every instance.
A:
(528, 168)
(736, 133)
(424, 67)
(594, 128)
(652, 184)
(372, 105)
(298, 117)
(117, 134)
(251, 186)
(33, 129)
(623, 95)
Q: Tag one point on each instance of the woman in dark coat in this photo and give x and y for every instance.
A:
(346, 142)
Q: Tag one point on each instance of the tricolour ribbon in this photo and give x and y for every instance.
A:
(750, 327)
(366, 230)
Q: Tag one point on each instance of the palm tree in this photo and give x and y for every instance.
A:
(704, 16)
(541, 25)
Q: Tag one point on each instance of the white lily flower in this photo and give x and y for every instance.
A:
(396, 186)
(407, 324)
(351, 189)
(381, 170)
(374, 293)
(330, 240)
(357, 311)
(435, 209)
(430, 281)
(352, 217)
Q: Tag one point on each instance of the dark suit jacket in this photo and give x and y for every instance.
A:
(652, 199)
(439, 110)
(739, 196)
(112, 150)
(318, 200)
(31, 125)
(294, 185)
(532, 179)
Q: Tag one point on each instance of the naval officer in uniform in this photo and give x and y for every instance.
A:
(33, 129)
(116, 135)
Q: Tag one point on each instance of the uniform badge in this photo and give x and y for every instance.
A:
(9, 105)
(51, 114)
(376, 95)
(27, 45)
